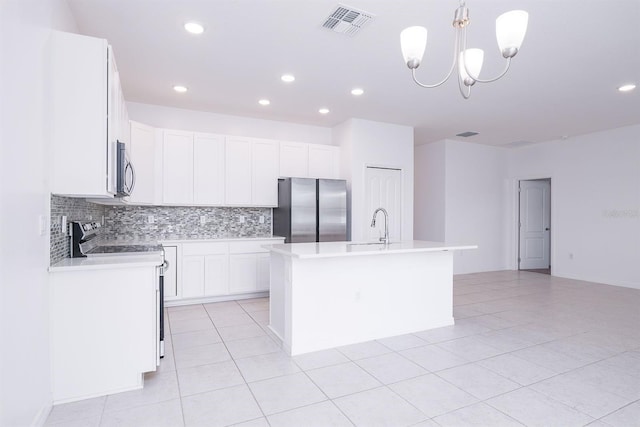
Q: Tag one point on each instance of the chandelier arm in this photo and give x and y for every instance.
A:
(453, 66)
(460, 87)
(495, 78)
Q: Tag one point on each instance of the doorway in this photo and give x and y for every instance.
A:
(383, 188)
(534, 235)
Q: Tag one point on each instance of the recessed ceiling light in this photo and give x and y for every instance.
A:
(194, 28)
(627, 88)
(180, 89)
(357, 91)
(264, 102)
(288, 78)
(323, 111)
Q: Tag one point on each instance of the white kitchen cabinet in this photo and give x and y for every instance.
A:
(248, 266)
(177, 167)
(216, 280)
(294, 159)
(142, 149)
(192, 276)
(104, 329)
(204, 269)
(209, 270)
(170, 272)
(262, 272)
(251, 172)
(208, 169)
(83, 83)
(237, 171)
(264, 187)
(324, 161)
(309, 160)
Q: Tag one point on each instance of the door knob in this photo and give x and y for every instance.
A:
(546, 229)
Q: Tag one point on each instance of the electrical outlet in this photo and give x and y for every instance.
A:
(261, 219)
(203, 220)
(241, 219)
(151, 219)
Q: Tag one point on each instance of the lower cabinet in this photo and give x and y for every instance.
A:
(218, 269)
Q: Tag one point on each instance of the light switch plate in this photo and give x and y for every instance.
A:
(241, 219)
(261, 219)
(151, 219)
(203, 220)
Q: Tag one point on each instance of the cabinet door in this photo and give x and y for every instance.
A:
(79, 114)
(170, 272)
(208, 169)
(262, 273)
(242, 273)
(192, 276)
(294, 159)
(177, 167)
(237, 171)
(264, 189)
(323, 161)
(143, 159)
(216, 275)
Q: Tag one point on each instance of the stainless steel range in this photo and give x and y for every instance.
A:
(87, 240)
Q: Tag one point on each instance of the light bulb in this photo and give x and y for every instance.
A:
(413, 41)
(473, 59)
(511, 28)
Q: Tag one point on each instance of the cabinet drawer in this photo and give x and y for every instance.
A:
(250, 247)
(204, 248)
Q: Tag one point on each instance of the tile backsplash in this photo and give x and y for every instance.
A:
(75, 210)
(150, 223)
(177, 222)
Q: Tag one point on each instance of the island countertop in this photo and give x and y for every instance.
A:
(340, 249)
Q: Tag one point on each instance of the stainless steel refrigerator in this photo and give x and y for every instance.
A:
(311, 210)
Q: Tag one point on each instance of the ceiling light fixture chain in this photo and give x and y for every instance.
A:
(511, 28)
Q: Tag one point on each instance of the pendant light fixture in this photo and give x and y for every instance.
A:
(511, 28)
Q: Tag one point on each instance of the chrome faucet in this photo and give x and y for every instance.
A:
(384, 238)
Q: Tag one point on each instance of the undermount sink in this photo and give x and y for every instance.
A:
(369, 243)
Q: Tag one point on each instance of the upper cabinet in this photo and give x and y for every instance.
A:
(208, 169)
(177, 167)
(251, 176)
(142, 149)
(88, 116)
(309, 160)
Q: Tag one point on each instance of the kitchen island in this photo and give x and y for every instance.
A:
(326, 295)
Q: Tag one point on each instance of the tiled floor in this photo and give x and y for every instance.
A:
(527, 349)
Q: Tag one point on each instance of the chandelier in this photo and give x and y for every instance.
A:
(510, 30)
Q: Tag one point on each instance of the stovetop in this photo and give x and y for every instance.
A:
(124, 249)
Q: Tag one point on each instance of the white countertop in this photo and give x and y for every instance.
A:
(338, 249)
(107, 261)
(226, 239)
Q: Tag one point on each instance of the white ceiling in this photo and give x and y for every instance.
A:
(562, 83)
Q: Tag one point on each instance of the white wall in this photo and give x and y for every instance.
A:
(475, 205)
(429, 199)
(366, 143)
(200, 121)
(595, 203)
(25, 395)
(460, 198)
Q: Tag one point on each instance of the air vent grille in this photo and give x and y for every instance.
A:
(467, 134)
(347, 20)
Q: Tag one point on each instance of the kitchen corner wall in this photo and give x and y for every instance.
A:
(128, 223)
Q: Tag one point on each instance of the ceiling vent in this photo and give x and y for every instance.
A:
(347, 20)
(467, 134)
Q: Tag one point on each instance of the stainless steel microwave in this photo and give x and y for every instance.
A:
(126, 174)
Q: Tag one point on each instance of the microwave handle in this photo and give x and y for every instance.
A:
(133, 177)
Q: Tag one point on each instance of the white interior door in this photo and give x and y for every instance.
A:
(535, 224)
(383, 189)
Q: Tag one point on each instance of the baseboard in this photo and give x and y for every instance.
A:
(207, 300)
(42, 415)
